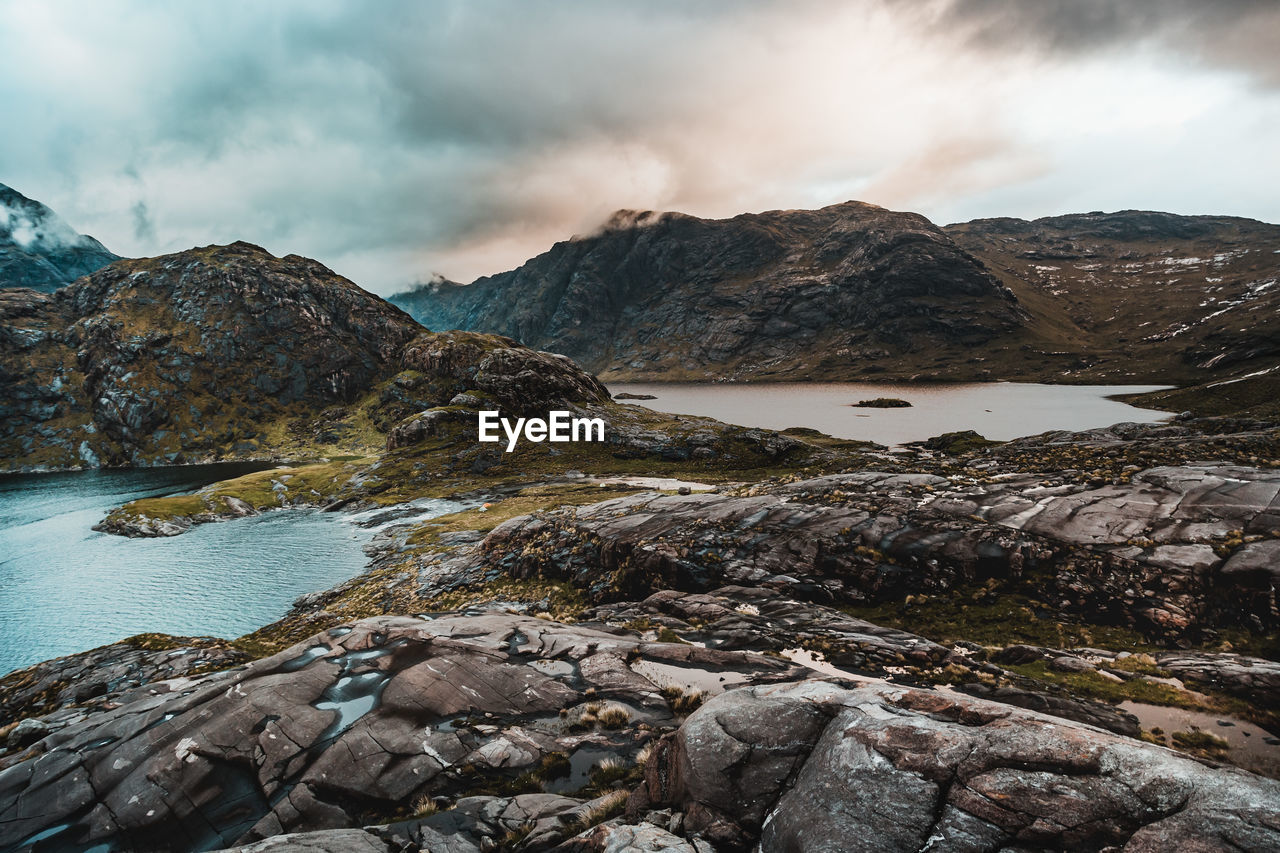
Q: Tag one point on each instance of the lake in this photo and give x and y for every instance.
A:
(66, 588)
(998, 410)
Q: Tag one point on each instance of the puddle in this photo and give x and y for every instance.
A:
(515, 641)
(351, 697)
(302, 660)
(687, 677)
(555, 668)
(665, 484)
(581, 763)
(1250, 746)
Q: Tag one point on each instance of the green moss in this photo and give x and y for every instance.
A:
(1200, 741)
(1098, 686)
(991, 616)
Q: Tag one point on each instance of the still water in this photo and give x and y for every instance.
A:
(65, 588)
(998, 410)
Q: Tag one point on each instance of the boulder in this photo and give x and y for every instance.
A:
(815, 766)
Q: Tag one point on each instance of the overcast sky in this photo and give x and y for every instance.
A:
(394, 141)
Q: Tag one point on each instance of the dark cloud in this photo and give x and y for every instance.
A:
(394, 139)
(1242, 34)
(144, 230)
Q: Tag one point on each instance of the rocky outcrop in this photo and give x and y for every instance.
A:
(187, 356)
(358, 723)
(101, 676)
(813, 766)
(852, 288)
(1150, 553)
(40, 251)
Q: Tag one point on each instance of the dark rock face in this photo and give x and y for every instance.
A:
(853, 291)
(40, 251)
(759, 295)
(813, 766)
(161, 359)
(355, 724)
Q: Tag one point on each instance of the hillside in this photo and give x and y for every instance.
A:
(1143, 295)
(848, 290)
(40, 251)
(853, 291)
(229, 352)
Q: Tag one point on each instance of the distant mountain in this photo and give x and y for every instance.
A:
(39, 250)
(1177, 298)
(849, 290)
(854, 291)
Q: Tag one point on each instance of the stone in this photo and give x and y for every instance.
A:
(817, 766)
(367, 717)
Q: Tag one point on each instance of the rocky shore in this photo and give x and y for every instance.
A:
(956, 646)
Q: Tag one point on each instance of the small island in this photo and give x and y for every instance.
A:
(881, 403)
(626, 395)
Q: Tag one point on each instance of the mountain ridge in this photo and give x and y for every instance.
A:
(39, 250)
(1095, 320)
(770, 288)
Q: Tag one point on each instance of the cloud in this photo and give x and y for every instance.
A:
(144, 230)
(400, 139)
(34, 227)
(1239, 34)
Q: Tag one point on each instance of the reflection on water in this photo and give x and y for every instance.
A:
(65, 588)
(1248, 746)
(997, 410)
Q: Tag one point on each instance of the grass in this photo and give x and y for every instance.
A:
(1200, 741)
(614, 803)
(310, 484)
(614, 717)
(683, 702)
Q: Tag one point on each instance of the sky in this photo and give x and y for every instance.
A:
(399, 141)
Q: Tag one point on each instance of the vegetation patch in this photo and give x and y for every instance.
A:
(882, 403)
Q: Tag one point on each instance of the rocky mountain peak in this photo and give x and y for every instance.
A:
(38, 249)
(760, 295)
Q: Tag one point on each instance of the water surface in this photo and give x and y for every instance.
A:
(65, 588)
(998, 410)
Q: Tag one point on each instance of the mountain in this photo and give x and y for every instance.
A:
(1176, 298)
(229, 352)
(854, 291)
(848, 290)
(39, 250)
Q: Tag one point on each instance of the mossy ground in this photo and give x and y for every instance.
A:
(995, 615)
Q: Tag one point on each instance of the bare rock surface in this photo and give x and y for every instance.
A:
(356, 723)
(813, 766)
(1150, 553)
(103, 675)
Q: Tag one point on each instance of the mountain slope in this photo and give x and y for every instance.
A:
(39, 250)
(854, 291)
(848, 290)
(230, 352)
(1142, 293)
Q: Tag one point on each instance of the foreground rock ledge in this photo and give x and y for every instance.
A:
(815, 766)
